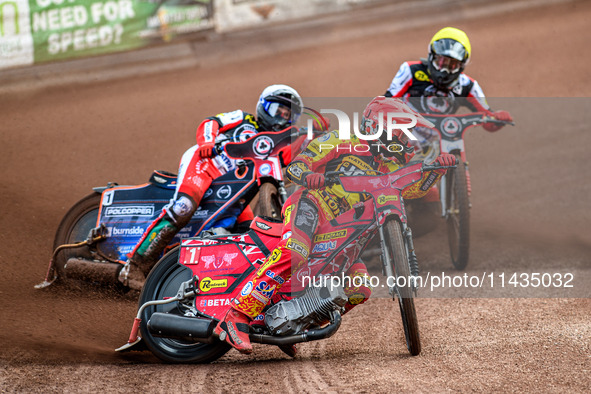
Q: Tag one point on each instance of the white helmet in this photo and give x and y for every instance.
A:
(269, 115)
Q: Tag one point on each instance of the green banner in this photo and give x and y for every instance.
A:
(38, 31)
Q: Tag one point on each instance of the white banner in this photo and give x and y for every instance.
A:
(240, 14)
(16, 41)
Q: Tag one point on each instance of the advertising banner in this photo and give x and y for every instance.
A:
(38, 31)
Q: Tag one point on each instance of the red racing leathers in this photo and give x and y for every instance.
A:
(307, 209)
(199, 166)
(232, 126)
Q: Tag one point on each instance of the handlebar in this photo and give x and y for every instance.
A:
(467, 120)
(431, 167)
(304, 131)
(490, 119)
(333, 177)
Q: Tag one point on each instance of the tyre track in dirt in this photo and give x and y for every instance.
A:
(306, 375)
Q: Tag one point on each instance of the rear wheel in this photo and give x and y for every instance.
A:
(458, 215)
(269, 203)
(163, 282)
(398, 253)
(74, 228)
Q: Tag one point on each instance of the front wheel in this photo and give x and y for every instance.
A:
(74, 228)
(269, 203)
(398, 252)
(458, 215)
(163, 282)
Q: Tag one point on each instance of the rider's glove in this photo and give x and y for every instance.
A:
(446, 160)
(315, 181)
(503, 115)
(206, 150)
(499, 115)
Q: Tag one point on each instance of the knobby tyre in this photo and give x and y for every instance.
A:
(399, 254)
(269, 203)
(458, 215)
(74, 228)
(164, 281)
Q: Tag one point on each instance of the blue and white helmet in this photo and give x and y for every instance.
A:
(271, 102)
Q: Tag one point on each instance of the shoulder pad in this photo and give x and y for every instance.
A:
(228, 118)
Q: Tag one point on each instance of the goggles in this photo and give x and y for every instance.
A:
(445, 63)
(399, 142)
(276, 109)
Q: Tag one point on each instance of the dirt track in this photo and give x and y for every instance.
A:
(530, 213)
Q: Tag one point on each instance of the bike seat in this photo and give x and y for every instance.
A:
(267, 226)
(163, 179)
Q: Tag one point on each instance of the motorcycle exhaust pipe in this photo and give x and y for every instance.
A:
(308, 336)
(197, 329)
(190, 329)
(88, 270)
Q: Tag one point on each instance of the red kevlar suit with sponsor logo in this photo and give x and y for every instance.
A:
(306, 210)
(196, 173)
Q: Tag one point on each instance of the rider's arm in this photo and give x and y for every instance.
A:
(418, 189)
(209, 129)
(477, 102)
(401, 82)
(318, 152)
(297, 172)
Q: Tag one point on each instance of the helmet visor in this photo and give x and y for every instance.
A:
(445, 63)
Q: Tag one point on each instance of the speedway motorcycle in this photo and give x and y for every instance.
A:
(454, 187)
(191, 287)
(96, 234)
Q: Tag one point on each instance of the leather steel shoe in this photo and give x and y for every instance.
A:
(132, 276)
(290, 350)
(234, 330)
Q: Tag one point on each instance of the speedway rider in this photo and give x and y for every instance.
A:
(316, 203)
(431, 85)
(437, 85)
(278, 106)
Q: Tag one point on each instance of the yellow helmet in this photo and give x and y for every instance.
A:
(449, 52)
